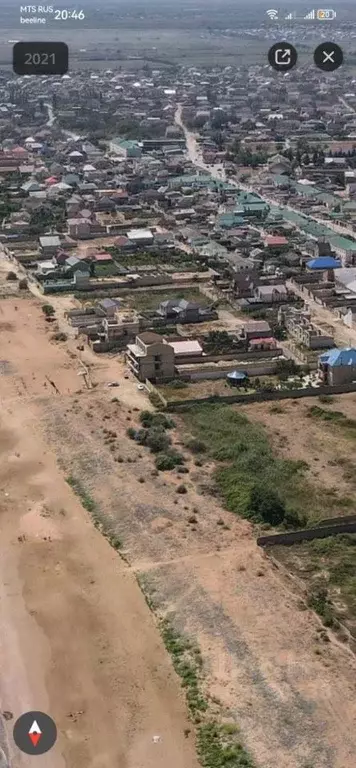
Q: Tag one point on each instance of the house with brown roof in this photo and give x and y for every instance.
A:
(150, 357)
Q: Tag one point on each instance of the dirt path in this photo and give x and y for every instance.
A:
(77, 638)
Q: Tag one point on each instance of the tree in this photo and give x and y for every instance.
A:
(265, 504)
(286, 368)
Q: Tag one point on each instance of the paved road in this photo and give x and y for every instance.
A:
(218, 172)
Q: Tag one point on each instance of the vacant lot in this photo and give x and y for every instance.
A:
(71, 609)
(151, 298)
(113, 689)
(200, 566)
(328, 569)
(308, 430)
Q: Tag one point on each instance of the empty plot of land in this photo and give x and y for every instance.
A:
(325, 446)
(294, 705)
(77, 639)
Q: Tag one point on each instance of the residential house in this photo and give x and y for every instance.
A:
(185, 348)
(243, 284)
(299, 326)
(338, 366)
(125, 148)
(140, 237)
(107, 307)
(150, 357)
(79, 228)
(270, 294)
(74, 265)
(180, 310)
(275, 243)
(49, 244)
(255, 329)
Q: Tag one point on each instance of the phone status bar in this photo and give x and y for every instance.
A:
(319, 14)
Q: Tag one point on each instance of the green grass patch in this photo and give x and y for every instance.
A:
(219, 748)
(96, 515)
(187, 663)
(335, 556)
(328, 567)
(218, 744)
(181, 261)
(334, 417)
(253, 481)
(151, 299)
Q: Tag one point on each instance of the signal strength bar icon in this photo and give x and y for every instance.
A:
(310, 15)
(291, 15)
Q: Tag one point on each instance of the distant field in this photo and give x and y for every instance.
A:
(163, 46)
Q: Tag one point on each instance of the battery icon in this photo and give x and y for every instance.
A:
(326, 15)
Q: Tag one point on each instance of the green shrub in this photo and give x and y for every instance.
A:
(244, 459)
(266, 505)
(149, 419)
(196, 446)
(319, 601)
(286, 368)
(131, 433)
(168, 460)
(48, 310)
(277, 408)
(157, 440)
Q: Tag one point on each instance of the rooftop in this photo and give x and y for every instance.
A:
(337, 357)
(190, 347)
(148, 337)
(324, 262)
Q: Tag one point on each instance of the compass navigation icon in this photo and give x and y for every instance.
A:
(35, 733)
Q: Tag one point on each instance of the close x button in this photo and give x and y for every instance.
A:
(328, 57)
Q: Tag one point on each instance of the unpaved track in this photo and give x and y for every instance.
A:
(77, 638)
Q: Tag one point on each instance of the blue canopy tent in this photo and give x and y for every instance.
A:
(236, 378)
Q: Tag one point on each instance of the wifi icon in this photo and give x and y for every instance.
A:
(272, 13)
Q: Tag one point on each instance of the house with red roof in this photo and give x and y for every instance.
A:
(103, 258)
(275, 242)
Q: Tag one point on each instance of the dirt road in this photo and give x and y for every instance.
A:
(77, 638)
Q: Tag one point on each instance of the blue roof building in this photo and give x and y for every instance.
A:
(338, 366)
(338, 356)
(324, 262)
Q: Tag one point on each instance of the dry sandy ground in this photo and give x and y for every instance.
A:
(77, 639)
(98, 665)
(293, 696)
